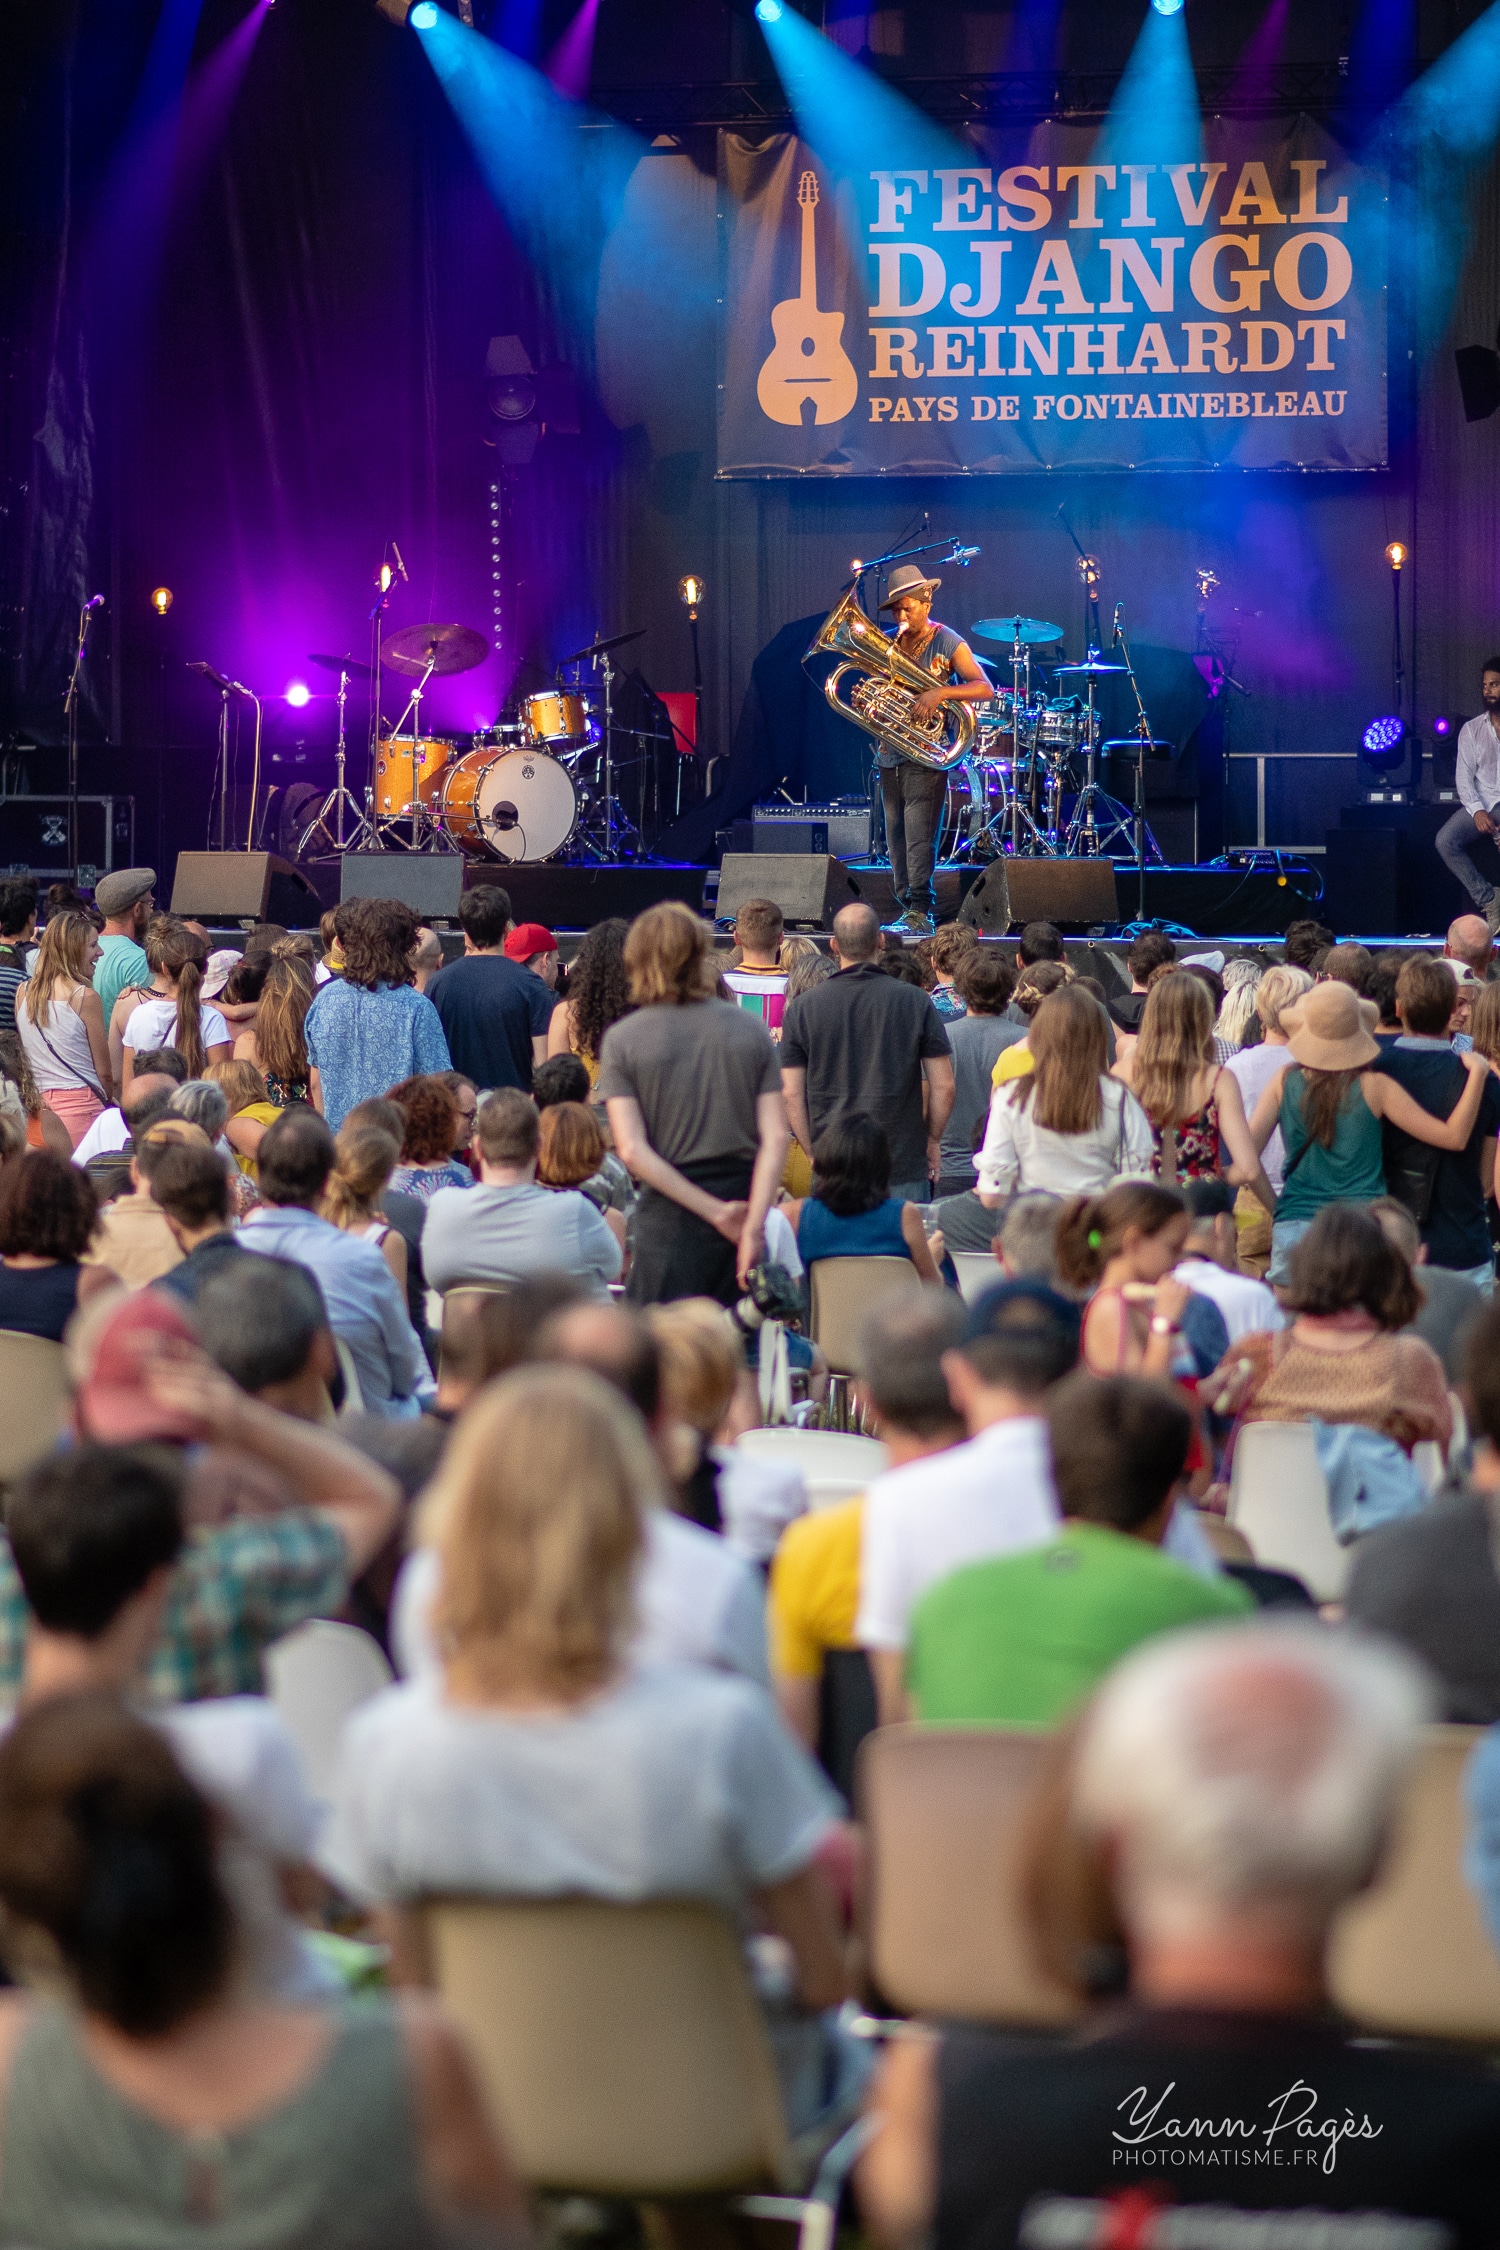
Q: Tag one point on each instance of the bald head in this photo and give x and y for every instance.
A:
(146, 1087)
(1469, 941)
(856, 933)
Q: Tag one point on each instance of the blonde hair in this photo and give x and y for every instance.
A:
(538, 1519)
(1241, 986)
(240, 1082)
(1176, 1040)
(1484, 1022)
(1279, 989)
(667, 957)
(63, 954)
(701, 1361)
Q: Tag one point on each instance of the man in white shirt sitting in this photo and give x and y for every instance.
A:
(157, 1078)
(1478, 779)
(991, 1496)
(508, 1227)
(1210, 1262)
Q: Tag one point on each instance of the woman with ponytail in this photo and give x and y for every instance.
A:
(365, 1157)
(176, 1015)
(1123, 1245)
(61, 1022)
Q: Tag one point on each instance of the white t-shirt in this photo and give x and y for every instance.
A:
(108, 1134)
(698, 1602)
(1254, 1068)
(1019, 1152)
(673, 1783)
(922, 1522)
(154, 1024)
(758, 1498)
(1246, 1303)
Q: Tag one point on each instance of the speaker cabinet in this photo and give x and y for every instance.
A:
(1073, 893)
(246, 887)
(430, 883)
(809, 887)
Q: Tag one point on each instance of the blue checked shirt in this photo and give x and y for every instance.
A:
(364, 1305)
(363, 1043)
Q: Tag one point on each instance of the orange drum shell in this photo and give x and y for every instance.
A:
(460, 789)
(557, 715)
(394, 795)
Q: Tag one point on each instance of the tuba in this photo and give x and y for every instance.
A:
(884, 685)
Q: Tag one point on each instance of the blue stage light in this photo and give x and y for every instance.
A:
(768, 11)
(1166, 7)
(423, 16)
(1382, 738)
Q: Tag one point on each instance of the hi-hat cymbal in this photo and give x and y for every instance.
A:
(599, 648)
(447, 648)
(1017, 629)
(349, 664)
(1092, 665)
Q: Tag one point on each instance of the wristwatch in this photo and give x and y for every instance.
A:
(1161, 1326)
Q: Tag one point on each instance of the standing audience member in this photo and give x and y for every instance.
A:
(277, 1041)
(132, 1237)
(1384, 971)
(862, 1042)
(1471, 946)
(1209, 1264)
(598, 996)
(1230, 1792)
(533, 948)
(1147, 954)
(175, 1015)
(978, 1035)
(1193, 1102)
(986, 1497)
(365, 1157)
(17, 935)
(1347, 964)
(430, 1109)
(946, 949)
(1304, 943)
(1033, 986)
(1236, 1015)
(756, 974)
(1066, 1126)
(365, 1307)
(693, 1093)
(1447, 1192)
(1330, 1105)
(1040, 941)
(47, 1214)
(43, 1127)
(508, 1228)
(191, 1188)
(1020, 1640)
(426, 957)
(157, 1077)
(851, 1212)
(1252, 1070)
(494, 1012)
(368, 1029)
(62, 1026)
(126, 902)
(1450, 1304)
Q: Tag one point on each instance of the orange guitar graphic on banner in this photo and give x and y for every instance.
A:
(808, 361)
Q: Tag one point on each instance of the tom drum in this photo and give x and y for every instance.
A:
(409, 772)
(510, 804)
(558, 715)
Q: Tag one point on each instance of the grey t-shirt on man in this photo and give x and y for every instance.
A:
(697, 1074)
(483, 1234)
(977, 1042)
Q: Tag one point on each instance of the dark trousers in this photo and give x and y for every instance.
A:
(1455, 841)
(913, 798)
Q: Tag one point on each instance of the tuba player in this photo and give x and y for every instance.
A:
(912, 794)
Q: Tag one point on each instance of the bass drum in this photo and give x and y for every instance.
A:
(510, 804)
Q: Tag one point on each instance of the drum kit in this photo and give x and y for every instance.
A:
(530, 788)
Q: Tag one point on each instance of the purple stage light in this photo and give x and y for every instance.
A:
(298, 694)
(571, 62)
(1441, 727)
(1383, 737)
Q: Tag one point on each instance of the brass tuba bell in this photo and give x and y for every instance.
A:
(884, 686)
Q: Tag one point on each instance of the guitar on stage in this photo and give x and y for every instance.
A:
(809, 360)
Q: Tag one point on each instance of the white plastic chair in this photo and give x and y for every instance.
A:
(1278, 1497)
(977, 1271)
(318, 1675)
(836, 1464)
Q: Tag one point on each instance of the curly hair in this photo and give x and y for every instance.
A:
(47, 1207)
(376, 936)
(431, 1113)
(598, 988)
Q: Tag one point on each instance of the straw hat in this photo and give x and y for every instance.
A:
(1331, 1028)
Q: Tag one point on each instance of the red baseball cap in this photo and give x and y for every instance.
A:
(528, 938)
(114, 1405)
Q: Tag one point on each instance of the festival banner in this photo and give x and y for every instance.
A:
(1032, 310)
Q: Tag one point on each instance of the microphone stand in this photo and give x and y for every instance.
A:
(70, 711)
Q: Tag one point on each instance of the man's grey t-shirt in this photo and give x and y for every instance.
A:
(862, 1038)
(977, 1042)
(697, 1074)
(505, 1233)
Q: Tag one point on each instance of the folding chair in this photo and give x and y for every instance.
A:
(1278, 1498)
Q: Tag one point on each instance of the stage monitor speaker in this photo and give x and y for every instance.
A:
(809, 887)
(246, 887)
(1074, 893)
(430, 883)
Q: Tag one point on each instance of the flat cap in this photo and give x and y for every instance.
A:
(117, 893)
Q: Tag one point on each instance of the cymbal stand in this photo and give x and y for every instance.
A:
(362, 836)
(1018, 813)
(427, 831)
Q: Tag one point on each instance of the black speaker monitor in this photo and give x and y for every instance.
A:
(246, 887)
(809, 887)
(430, 883)
(1074, 893)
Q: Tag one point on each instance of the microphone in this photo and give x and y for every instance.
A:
(209, 673)
(400, 565)
(1115, 636)
(95, 601)
(962, 556)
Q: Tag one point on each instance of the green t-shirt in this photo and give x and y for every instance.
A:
(120, 962)
(1019, 1641)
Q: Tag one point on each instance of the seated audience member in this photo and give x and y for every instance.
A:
(815, 1580)
(205, 1105)
(986, 1497)
(1432, 1582)
(432, 1125)
(1240, 1785)
(1344, 1358)
(1066, 1126)
(1447, 1191)
(192, 1191)
(365, 1159)
(1120, 1248)
(251, 1109)
(264, 1322)
(149, 2095)
(157, 1076)
(508, 1227)
(47, 1215)
(1209, 1263)
(850, 1212)
(1450, 1303)
(407, 1213)
(748, 1498)
(978, 1034)
(243, 1578)
(466, 1094)
(132, 1237)
(95, 1534)
(365, 1307)
(1020, 1640)
(571, 1154)
(563, 1079)
(1022, 1237)
(647, 1781)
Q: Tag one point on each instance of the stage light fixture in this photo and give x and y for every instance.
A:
(423, 16)
(1442, 726)
(1383, 737)
(298, 694)
(161, 599)
(691, 589)
(771, 11)
(1166, 7)
(1396, 554)
(1385, 759)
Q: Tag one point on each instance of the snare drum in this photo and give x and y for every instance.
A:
(559, 715)
(510, 804)
(1060, 731)
(409, 772)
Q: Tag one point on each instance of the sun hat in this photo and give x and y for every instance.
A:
(217, 971)
(907, 579)
(1331, 1028)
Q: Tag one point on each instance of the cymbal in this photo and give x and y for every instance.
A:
(1091, 665)
(448, 648)
(598, 648)
(1017, 629)
(348, 664)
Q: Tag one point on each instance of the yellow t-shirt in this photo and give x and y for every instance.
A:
(814, 1594)
(259, 1113)
(1014, 1061)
